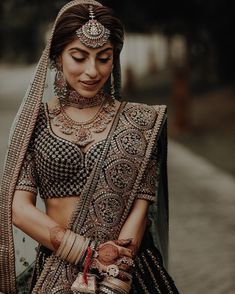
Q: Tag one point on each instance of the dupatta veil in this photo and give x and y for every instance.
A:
(20, 135)
(40, 89)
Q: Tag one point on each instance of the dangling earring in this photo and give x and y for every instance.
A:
(60, 85)
(112, 88)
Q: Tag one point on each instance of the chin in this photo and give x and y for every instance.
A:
(88, 93)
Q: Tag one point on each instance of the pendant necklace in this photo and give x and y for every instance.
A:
(81, 132)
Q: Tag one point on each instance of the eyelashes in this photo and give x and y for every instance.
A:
(105, 60)
(102, 60)
(78, 59)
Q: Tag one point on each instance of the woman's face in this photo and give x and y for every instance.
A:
(86, 69)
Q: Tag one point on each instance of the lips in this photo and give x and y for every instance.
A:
(90, 82)
(90, 85)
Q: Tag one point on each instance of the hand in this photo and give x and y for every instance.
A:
(114, 259)
(109, 252)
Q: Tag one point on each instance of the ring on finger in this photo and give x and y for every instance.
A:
(126, 260)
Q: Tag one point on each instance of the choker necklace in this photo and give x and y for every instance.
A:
(81, 132)
(74, 99)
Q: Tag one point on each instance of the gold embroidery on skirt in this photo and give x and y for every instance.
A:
(144, 288)
(152, 275)
(161, 271)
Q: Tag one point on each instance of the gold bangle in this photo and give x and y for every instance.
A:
(75, 251)
(69, 244)
(82, 240)
(80, 243)
(73, 248)
(63, 243)
(83, 249)
(117, 284)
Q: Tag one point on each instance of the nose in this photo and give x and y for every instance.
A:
(91, 69)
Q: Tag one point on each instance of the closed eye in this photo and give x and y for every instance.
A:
(81, 59)
(105, 60)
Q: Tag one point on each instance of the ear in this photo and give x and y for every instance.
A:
(58, 63)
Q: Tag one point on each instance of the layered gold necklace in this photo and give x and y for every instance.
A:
(82, 132)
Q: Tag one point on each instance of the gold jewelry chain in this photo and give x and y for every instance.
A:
(81, 132)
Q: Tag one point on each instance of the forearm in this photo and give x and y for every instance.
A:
(35, 223)
(47, 232)
(135, 225)
(134, 228)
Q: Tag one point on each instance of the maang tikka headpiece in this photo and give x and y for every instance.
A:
(93, 34)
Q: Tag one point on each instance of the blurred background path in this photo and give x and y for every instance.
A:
(202, 205)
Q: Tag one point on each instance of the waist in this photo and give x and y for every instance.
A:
(61, 209)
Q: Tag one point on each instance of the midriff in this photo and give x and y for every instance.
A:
(61, 209)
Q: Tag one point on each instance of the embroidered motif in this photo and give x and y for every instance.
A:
(27, 178)
(141, 116)
(107, 209)
(115, 180)
(96, 232)
(132, 143)
(149, 183)
(115, 183)
(120, 174)
(63, 284)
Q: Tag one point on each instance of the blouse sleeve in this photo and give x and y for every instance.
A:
(27, 177)
(148, 186)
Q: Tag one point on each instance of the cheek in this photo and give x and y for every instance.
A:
(70, 68)
(106, 70)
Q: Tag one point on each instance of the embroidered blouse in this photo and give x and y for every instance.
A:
(56, 167)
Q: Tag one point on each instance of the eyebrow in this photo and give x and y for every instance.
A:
(87, 53)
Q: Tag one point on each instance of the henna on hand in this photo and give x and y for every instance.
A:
(114, 258)
(107, 254)
(134, 248)
(56, 236)
(110, 251)
(124, 276)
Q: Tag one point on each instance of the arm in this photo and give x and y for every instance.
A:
(134, 228)
(34, 222)
(135, 225)
(46, 231)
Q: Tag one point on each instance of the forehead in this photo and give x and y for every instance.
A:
(79, 45)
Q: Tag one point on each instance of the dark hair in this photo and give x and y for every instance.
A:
(76, 16)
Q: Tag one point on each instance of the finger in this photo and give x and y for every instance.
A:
(124, 276)
(106, 243)
(123, 242)
(125, 251)
(124, 267)
(108, 253)
(126, 261)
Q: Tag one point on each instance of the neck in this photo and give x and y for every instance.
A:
(76, 100)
